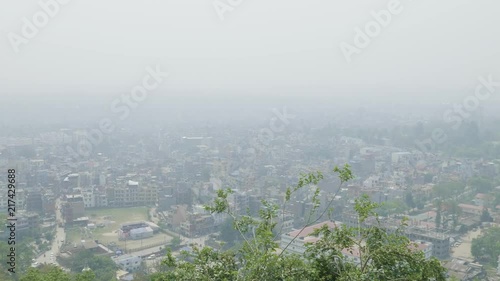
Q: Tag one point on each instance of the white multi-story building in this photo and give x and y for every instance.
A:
(132, 194)
(425, 247)
(92, 198)
(129, 263)
(239, 201)
(371, 182)
(89, 198)
(218, 218)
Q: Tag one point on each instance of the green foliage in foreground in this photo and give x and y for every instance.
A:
(103, 267)
(84, 266)
(52, 273)
(383, 255)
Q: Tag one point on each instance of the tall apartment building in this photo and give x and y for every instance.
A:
(48, 203)
(84, 179)
(73, 207)
(27, 221)
(34, 201)
(94, 197)
(239, 201)
(132, 194)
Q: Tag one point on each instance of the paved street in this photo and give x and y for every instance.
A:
(50, 255)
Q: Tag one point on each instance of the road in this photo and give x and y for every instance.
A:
(50, 256)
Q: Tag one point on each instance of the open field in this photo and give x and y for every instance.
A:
(463, 251)
(112, 219)
(119, 215)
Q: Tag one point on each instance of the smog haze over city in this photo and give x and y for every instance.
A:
(123, 123)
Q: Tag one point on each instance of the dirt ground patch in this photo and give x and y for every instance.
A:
(108, 221)
(463, 250)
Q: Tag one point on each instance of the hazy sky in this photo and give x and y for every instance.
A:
(283, 47)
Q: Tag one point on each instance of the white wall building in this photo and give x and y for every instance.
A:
(140, 233)
(371, 182)
(129, 263)
(89, 198)
(425, 247)
(92, 198)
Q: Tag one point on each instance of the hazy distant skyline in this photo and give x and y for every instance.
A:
(430, 50)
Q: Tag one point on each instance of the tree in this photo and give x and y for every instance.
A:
(428, 177)
(409, 200)
(23, 252)
(50, 273)
(103, 267)
(86, 275)
(53, 273)
(383, 255)
(481, 184)
(438, 219)
(438, 213)
(485, 216)
(448, 189)
(391, 207)
(176, 242)
(496, 201)
(454, 210)
(228, 233)
(486, 248)
(49, 236)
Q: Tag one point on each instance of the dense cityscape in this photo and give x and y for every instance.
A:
(231, 140)
(133, 196)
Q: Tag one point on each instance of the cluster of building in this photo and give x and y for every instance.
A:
(297, 241)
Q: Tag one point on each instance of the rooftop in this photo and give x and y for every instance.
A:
(124, 257)
(310, 229)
